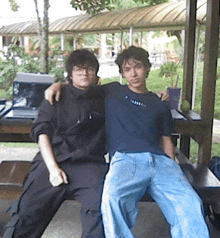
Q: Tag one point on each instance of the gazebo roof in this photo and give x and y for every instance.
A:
(160, 17)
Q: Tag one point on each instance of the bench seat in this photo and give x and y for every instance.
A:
(207, 185)
(12, 175)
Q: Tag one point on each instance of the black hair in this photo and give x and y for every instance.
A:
(80, 58)
(133, 52)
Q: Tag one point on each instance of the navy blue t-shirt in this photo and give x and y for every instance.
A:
(135, 122)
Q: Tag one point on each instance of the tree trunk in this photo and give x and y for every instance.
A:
(43, 30)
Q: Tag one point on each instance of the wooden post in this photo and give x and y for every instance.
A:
(74, 42)
(121, 48)
(131, 36)
(62, 41)
(209, 77)
(198, 30)
(189, 50)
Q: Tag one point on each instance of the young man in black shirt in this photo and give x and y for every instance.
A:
(70, 164)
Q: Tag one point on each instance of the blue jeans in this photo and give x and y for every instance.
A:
(131, 175)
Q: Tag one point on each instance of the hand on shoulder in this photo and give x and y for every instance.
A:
(53, 91)
(163, 95)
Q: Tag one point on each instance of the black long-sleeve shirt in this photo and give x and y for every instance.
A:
(75, 125)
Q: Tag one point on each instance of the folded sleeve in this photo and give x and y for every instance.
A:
(45, 122)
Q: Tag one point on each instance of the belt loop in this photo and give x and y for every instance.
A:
(151, 160)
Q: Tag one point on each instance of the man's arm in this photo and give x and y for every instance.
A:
(163, 95)
(56, 175)
(168, 146)
(53, 90)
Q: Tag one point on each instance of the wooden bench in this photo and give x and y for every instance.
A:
(13, 173)
(206, 184)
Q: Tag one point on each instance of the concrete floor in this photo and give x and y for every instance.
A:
(66, 223)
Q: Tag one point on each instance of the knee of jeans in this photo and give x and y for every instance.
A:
(194, 198)
(192, 204)
(109, 197)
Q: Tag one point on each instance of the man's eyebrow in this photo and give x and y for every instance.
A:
(138, 64)
(127, 67)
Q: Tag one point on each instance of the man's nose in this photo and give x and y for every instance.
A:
(84, 71)
(133, 72)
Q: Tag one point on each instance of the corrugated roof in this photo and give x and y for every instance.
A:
(162, 16)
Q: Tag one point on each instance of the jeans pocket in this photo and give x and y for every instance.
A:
(123, 167)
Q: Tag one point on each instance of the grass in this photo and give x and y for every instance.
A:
(3, 94)
(19, 144)
(194, 150)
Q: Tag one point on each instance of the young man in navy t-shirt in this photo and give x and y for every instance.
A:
(138, 127)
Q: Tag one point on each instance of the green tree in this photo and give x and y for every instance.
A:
(43, 31)
(169, 69)
(151, 2)
(14, 5)
(90, 6)
(95, 6)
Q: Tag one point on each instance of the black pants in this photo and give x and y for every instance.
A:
(39, 201)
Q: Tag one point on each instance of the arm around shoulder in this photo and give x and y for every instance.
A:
(163, 95)
(53, 90)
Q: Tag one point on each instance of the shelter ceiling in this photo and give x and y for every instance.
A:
(163, 16)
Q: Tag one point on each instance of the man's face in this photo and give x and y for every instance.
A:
(83, 77)
(135, 74)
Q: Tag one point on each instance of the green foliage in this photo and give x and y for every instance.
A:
(95, 6)
(7, 75)
(218, 73)
(19, 61)
(158, 34)
(91, 40)
(114, 79)
(16, 61)
(123, 4)
(14, 5)
(58, 71)
(90, 6)
(152, 2)
(194, 151)
(169, 69)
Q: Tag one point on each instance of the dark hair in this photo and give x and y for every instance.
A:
(133, 52)
(80, 58)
